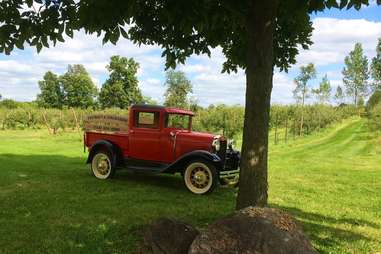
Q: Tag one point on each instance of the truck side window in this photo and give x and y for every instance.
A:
(177, 121)
(147, 120)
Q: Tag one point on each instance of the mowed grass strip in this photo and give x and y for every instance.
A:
(50, 202)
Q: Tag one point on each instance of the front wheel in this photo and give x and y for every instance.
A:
(102, 166)
(200, 177)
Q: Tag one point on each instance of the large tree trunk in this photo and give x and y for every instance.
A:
(259, 74)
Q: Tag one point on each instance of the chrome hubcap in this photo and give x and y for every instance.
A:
(200, 177)
(101, 165)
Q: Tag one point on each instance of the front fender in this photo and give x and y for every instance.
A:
(181, 162)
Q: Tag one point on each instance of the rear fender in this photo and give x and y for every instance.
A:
(109, 147)
(181, 162)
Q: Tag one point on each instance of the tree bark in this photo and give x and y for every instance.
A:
(260, 28)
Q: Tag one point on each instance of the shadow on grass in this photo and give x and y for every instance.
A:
(325, 230)
(75, 169)
(47, 187)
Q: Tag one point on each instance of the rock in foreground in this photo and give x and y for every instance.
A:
(253, 230)
(168, 236)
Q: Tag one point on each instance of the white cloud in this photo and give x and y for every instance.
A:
(333, 39)
(153, 88)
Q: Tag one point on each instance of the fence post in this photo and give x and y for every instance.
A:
(276, 130)
(76, 119)
(286, 131)
(76, 122)
(294, 129)
(46, 122)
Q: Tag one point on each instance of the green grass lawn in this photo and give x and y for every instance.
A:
(50, 202)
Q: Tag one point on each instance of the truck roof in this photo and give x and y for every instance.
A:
(171, 110)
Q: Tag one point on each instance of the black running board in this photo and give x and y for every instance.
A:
(141, 166)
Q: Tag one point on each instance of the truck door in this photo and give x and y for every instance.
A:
(144, 136)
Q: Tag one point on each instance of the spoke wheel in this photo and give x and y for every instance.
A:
(199, 177)
(101, 166)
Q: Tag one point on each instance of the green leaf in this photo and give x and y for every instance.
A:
(44, 41)
(106, 38)
(7, 51)
(124, 33)
(29, 3)
(39, 47)
(343, 3)
(60, 38)
(332, 3)
(350, 4)
(19, 44)
(69, 31)
(115, 36)
(34, 41)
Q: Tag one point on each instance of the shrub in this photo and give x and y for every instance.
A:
(374, 116)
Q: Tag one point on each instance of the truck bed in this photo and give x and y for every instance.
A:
(118, 138)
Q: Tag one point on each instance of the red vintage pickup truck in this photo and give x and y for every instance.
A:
(158, 139)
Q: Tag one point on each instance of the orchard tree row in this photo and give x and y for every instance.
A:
(356, 79)
(218, 119)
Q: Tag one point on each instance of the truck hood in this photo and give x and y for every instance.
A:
(200, 136)
(190, 141)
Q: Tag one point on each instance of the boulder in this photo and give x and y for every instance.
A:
(168, 236)
(253, 230)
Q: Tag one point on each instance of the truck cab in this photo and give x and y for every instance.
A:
(157, 139)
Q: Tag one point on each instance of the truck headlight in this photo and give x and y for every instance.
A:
(231, 143)
(216, 143)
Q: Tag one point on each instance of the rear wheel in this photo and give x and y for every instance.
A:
(200, 177)
(102, 165)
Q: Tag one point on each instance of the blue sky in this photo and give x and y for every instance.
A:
(334, 36)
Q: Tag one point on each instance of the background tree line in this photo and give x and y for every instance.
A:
(361, 80)
(219, 119)
(75, 89)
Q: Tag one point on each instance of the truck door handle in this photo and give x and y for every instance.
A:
(132, 131)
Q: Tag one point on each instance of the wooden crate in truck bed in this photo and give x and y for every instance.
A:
(106, 123)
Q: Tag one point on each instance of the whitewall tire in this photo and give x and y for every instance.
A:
(200, 177)
(102, 166)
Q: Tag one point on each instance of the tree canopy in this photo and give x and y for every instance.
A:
(376, 68)
(181, 28)
(339, 95)
(79, 89)
(301, 91)
(356, 73)
(121, 88)
(374, 99)
(178, 89)
(323, 92)
(52, 94)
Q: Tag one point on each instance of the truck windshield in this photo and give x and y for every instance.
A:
(177, 121)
